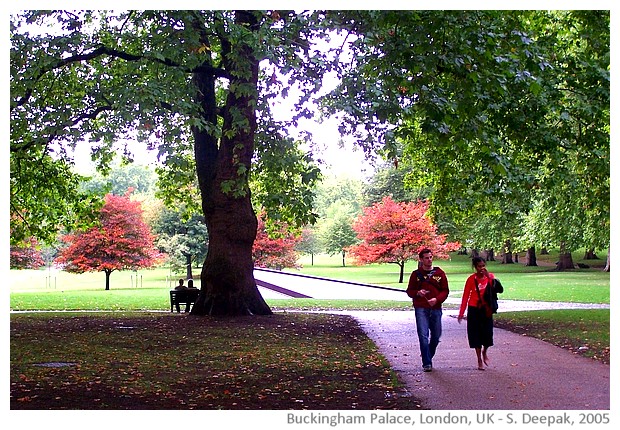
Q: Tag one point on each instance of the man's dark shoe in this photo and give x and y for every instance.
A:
(428, 368)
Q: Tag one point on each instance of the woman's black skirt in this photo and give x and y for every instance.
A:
(479, 328)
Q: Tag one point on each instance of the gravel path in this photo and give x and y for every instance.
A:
(524, 373)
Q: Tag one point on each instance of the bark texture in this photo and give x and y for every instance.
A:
(228, 287)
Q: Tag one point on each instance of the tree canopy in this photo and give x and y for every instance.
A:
(275, 247)
(184, 241)
(27, 256)
(121, 241)
(485, 106)
(195, 85)
(395, 232)
(492, 112)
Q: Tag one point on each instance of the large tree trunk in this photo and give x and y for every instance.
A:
(227, 279)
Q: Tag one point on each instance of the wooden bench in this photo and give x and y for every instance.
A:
(187, 297)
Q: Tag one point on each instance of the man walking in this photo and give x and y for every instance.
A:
(428, 287)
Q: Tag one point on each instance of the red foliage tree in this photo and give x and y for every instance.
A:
(121, 241)
(27, 256)
(393, 232)
(274, 249)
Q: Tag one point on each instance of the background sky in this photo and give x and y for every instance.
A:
(339, 161)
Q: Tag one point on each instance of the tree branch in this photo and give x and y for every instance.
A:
(46, 140)
(104, 50)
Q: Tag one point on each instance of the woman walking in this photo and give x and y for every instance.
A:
(480, 298)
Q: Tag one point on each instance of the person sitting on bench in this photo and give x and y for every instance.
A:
(182, 287)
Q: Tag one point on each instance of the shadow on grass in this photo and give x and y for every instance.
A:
(176, 361)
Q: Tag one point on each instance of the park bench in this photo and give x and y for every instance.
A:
(183, 297)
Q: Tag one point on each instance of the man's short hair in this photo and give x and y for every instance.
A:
(424, 251)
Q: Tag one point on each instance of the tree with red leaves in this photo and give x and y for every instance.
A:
(121, 241)
(394, 232)
(27, 256)
(274, 248)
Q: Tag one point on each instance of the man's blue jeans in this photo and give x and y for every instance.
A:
(428, 323)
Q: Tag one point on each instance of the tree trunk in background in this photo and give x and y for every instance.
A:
(188, 265)
(590, 255)
(507, 256)
(530, 257)
(607, 264)
(107, 278)
(565, 260)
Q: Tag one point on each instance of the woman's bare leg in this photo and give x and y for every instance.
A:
(479, 356)
(485, 357)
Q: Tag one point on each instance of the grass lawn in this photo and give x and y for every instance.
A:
(520, 282)
(582, 331)
(131, 359)
(148, 289)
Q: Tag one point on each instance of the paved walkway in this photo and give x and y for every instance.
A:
(524, 373)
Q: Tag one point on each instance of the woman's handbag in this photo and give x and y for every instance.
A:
(488, 305)
(490, 294)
